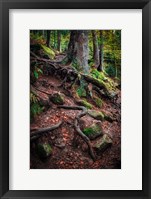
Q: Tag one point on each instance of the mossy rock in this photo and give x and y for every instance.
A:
(103, 143)
(57, 98)
(98, 115)
(48, 51)
(98, 102)
(44, 150)
(93, 131)
(85, 104)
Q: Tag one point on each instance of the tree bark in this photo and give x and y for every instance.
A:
(78, 49)
(96, 55)
(48, 38)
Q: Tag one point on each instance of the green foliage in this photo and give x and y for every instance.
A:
(35, 107)
(37, 39)
(37, 72)
(110, 70)
(81, 92)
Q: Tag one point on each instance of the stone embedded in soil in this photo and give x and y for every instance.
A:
(98, 115)
(108, 118)
(61, 145)
(93, 131)
(44, 150)
(45, 103)
(103, 143)
(57, 98)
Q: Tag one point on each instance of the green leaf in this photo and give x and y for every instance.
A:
(36, 74)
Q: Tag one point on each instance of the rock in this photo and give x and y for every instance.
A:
(98, 115)
(84, 103)
(44, 102)
(52, 137)
(93, 131)
(108, 118)
(103, 143)
(44, 150)
(61, 145)
(57, 98)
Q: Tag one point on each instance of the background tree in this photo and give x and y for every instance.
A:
(59, 40)
(96, 56)
(48, 38)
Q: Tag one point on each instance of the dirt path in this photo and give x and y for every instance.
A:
(66, 154)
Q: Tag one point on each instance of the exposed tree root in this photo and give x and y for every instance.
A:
(36, 134)
(77, 128)
(71, 72)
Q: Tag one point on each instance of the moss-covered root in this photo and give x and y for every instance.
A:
(48, 51)
(93, 131)
(98, 115)
(84, 103)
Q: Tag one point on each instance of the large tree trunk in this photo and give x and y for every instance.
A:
(96, 55)
(48, 38)
(100, 67)
(59, 40)
(78, 49)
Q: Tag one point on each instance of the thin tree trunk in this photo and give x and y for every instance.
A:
(96, 55)
(48, 38)
(59, 41)
(100, 67)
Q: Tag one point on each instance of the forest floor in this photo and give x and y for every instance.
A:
(66, 153)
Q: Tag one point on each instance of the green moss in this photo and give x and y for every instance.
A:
(96, 114)
(106, 82)
(48, 51)
(57, 99)
(85, 104)
(98, 102)
(93, 131)
(81, 92)
(44, 150)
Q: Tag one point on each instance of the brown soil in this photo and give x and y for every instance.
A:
(66, 153)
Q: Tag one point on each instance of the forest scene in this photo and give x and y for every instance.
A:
(75, 99)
